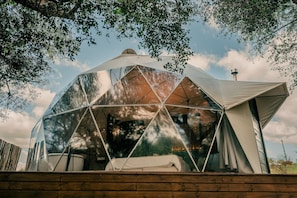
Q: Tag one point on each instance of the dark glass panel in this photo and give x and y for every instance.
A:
(188, 94)
(86, 141)
(161, 138)
(132, 89)
(72, 98)
(163, 82)
(197, 128)
(58, 130)
(259, 137)
(121, 127)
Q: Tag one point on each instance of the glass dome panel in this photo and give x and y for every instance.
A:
(58, 129)
(97, 83)
(34, 133)
(197, 128)
(36, 150)
(86, 141)
(119, 73)
(132, 89)
(163, 82)
(72, 98)
(188, 94)
(161, 138)
(121, 127)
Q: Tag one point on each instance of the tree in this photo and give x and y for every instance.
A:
(268, 25)
(33, 32)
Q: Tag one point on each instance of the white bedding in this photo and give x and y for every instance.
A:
(160, 163)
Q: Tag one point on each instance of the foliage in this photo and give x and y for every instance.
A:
(28, 41)
(268, 25)
(282, 166)
(33, 32)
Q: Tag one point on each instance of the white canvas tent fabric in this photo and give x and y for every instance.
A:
(232, 155)
(244, 131)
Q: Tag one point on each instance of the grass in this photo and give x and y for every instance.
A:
(281, 169)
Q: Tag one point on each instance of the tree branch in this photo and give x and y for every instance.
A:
(52, 8)
(278, 29)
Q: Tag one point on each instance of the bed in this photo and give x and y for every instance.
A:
(158, 163)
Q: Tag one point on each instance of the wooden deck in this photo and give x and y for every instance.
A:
(125, 184)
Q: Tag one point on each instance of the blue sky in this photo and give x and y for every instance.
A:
(214, 53)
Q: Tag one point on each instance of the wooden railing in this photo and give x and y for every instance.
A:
(137, 184)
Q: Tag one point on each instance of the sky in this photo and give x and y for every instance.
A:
(213, 52)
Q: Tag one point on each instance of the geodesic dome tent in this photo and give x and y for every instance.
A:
(131, 114)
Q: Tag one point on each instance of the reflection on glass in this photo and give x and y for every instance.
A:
(161, 138)
(119, 73)
(121, 127)
(188, 94)
(73, 98)
(124, 116)
(86, 141)
(58, 130)
(163, 82)
(197, 129)
(97, 83)
(132, 89)
(37, 136)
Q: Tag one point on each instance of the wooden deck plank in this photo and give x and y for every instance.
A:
(80, 186)
(27, 194)
(270, 195)
(128, 184)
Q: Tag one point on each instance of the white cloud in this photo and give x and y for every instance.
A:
(284, 126)
(16, 129)
(249, 68)
(42, 101)
(75, 64)
(212, 24)
(202, 61)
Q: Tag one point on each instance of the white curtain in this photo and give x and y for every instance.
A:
(232, 157)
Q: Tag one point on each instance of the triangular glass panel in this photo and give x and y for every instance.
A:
(72, 98)
(163, 82)
(163, 146)
(132, 89)
(119, 73)
(121, 127)
(197, 128)
(97, 83)
(34, 133)
(86, 141)
(188, 94)
(58, 129)
(36, 148)
(213, 162)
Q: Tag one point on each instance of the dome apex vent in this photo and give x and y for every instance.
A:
(129, 51)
